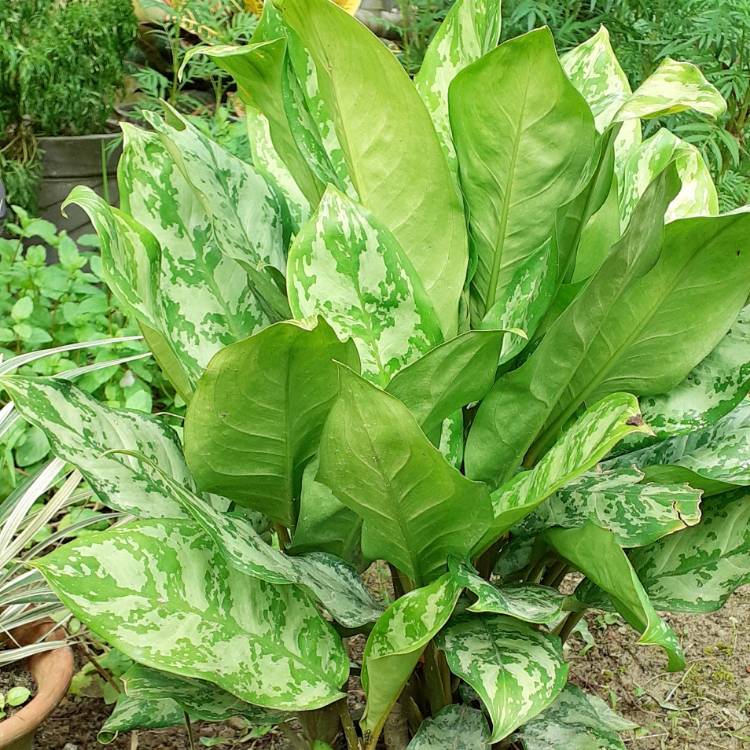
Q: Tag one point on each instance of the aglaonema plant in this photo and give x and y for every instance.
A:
(414, 331)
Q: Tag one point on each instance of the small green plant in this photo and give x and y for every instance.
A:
(61, 71)
(195, 86)
(413, 332)
(53, 304)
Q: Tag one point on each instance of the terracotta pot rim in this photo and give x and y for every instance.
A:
(52, 671)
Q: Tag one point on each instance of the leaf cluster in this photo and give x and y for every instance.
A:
(472, 328)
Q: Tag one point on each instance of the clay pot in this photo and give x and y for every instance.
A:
(52, 671)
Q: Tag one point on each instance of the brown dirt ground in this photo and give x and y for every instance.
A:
(707, 707)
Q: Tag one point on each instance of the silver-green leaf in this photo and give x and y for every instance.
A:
(166, 598)
(516, 670)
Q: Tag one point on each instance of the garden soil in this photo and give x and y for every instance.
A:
(707, 707)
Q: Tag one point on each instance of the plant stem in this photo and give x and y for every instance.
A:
(283, 534)
(106, 676)
(435, 669)
(189, 730)
(555, 573)
(569, 624)
(293, 738)
(350, 733)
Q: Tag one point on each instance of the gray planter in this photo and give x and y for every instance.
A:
(68, 161)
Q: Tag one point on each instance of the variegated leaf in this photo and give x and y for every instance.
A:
(392, 152)
(662, 300)
(310, 119)
(329, 579)
(470, 30)
(398, 640)
(673, 87)
(576, 721)
(448, 377)
(697, 196)
(81, 430)
(711, 390)
(697, 569)
(325, 524)
(166, 598)
(455, 727)
(580, 448)
(347, 267)
(202, 700)
(416, 508)
(154, 699)
(257, 69)
(521, 305)
(528, 602)
(594, 551)
(710, 459)
(137, 713)
(266, 158)
(257, 413)
(131, 266)
(593, 68)
(637, 513)
(207, 295)
(512, 188)
(516, 670)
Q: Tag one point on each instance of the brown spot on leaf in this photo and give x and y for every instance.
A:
(635, 421)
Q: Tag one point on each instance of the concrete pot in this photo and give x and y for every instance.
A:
(68, 161)
(52, 671)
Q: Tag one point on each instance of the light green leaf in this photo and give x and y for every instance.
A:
(502, 107)
(637, 513)
(470, 30)
(712, 389)
(577, 721)
(711, 458)
(527, 602)
(257, 413)
(347, 267)
(516, 670)
(81, 430)
(397, 641)
(673, 87)
(416, 508)
(595, 552)
(325, 524)
(392, 152)
(329, 579)
(448, 377)
(662, 300)
(697, 569)
(584, 444)
(455, 727)
(697, 197)
(166, 598)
